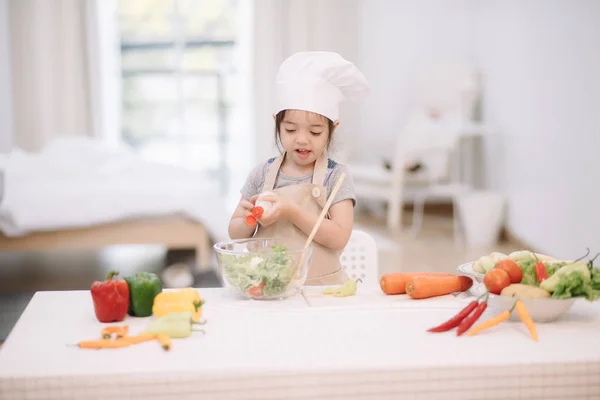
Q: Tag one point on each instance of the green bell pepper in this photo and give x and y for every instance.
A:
(143, 288)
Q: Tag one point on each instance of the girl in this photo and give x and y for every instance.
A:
(310, 86)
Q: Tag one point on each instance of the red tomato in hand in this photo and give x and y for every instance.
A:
(495, 280)
(512, 268)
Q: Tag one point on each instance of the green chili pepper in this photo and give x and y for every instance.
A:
(347, 289)
(174, 325)
(143, 288)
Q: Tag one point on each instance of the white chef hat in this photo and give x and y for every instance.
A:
(318, 81)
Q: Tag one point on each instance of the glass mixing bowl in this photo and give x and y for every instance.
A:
(259, 268)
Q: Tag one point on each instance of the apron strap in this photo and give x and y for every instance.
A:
(318, 175)
(320, 169)
(272, 173)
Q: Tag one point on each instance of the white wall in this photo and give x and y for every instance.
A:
(542, 74)
(541, 66)
(396, 39)
(6, 120)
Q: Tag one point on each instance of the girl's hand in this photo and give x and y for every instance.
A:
(247, 206)
(279, 209)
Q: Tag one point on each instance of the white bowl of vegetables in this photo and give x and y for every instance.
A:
(547, 287)
(262, 269)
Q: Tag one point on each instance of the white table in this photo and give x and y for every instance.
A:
(368, 346)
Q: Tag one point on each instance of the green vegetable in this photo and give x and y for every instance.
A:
(174, 325)
(273, 270)
(575, 284)
(551, 283)
(143, 288)
(347, 289)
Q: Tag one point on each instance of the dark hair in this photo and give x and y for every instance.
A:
(279, 119)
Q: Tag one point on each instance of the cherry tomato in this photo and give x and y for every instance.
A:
(495, 280)
(512, 268)
(258, 212)
(251, 220)
(256, 291)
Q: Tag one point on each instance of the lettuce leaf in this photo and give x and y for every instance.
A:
(529, 276)
(577, 284)
(273, 269)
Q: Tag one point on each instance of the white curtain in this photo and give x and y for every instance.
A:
(283, 27)
(60, 71)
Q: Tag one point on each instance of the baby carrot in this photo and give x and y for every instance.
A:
(395, 282)
(526, 318)
(422, 287)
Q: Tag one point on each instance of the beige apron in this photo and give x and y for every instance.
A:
(325, 267)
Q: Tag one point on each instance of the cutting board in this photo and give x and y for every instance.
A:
(372, 297)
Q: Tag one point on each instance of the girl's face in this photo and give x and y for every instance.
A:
(304, 136)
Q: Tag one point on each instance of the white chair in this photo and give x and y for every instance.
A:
(359, 258)
(434, 134)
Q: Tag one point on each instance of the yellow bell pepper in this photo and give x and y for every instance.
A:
(182, 300)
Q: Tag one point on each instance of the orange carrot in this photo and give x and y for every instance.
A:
(117, 343)
(422, 287)
(395, 282)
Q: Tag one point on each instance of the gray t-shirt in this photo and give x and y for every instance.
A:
(256, 180)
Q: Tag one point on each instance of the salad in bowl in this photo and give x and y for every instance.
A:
(263, 269)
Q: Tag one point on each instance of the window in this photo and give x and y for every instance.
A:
(177, 64)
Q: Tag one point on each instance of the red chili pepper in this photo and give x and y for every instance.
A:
(111, 298)
(470, 320)
(258, 212)
(541, 271)
(454, 321)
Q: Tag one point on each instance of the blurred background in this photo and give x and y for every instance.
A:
(127, 128)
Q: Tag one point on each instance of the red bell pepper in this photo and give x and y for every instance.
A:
(111, 298)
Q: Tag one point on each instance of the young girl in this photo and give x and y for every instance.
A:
(310, 86)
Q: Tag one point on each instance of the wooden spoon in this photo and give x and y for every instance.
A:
(320, 220)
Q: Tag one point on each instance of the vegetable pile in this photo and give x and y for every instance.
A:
(142, 295)
(260, 274)
(525, 274)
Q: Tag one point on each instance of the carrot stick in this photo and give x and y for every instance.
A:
(503, 316)
(526, 318)
(422, 287)
(104, 344)
(140, 338)
(395, 282)
(115, 344)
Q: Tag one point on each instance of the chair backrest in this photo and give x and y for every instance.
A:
(359, 258)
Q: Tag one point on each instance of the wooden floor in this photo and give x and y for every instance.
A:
(22, 274)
